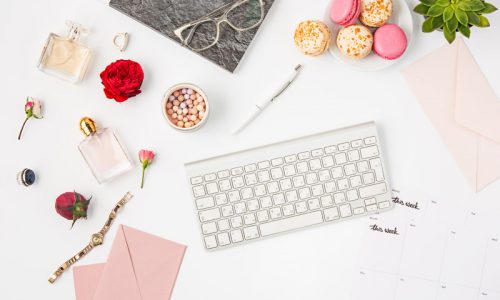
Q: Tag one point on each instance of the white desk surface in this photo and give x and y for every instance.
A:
(310, 264)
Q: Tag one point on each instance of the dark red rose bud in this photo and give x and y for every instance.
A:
(122, 80)
(72, 206)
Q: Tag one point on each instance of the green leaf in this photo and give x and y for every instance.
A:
(462, 17)
(428, 2)
(448, 14)
(452, 24)
(464, 30)
(435, 11)
(437, 22)
(483, 22)
(427, 25)
(488, 8)
(471, 5)
(421, 9)
(443, 3)
(449, 35)
(474, 18)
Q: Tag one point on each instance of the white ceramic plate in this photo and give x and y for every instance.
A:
(401, 16)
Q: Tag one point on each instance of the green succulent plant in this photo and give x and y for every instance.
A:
(454, 16)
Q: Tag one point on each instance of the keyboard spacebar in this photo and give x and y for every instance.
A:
(291, 223)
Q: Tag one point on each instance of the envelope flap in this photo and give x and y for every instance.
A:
(118, 279)
(86, 279)
(477, 107)
(156, 262)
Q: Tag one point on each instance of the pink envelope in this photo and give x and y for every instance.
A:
(140, 266)
(463, 108)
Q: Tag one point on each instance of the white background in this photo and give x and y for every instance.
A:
(310, 264)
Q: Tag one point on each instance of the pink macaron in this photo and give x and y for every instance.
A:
(345, 12)
(389, 41)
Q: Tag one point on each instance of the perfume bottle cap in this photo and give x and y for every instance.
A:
(87, 126)
(75, 30)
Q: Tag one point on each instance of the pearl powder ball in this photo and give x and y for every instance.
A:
(185, 108)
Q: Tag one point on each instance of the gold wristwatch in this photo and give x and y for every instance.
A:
(96, 239)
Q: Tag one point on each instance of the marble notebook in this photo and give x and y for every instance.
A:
(164, 16)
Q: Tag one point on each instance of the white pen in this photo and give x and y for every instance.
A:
(258, 108)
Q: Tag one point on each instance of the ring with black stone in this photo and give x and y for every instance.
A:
(26, 177)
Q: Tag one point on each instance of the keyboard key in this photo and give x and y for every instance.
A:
(353, 155)
(276, 173)
(370, 201)
(290, 159)
(352, 195)
(223, 239)
(240, 207)
(289, 170)
(224, 185)
(266, 202)
(223, 224)
(330, 187)
(315, 164)
(313, 203)
(317, 190)
(340, 158)
(234, 196)
(238, 182)
(304, 155)
(326, 201)
(262, 216)
(263, 176)
(349, 169)
(384, 204)
(212, 188)
(311, 178)
(355, 181)
(259, 190)
(278, 199)
(196, 180)
(356, 143)
(291, 196)
(208, 228)
(368, 152)
(370, 140)
(324, 175)
(285, 184)
(304, 193)
(227, 210)
(249, 219)
(209, 215)
(277, 161)
(371, 208)
(337, 172)
(298, 181)
(359, 210)
(331, 214)
(343, 146)
(363, 166)
(302, 167)
(291, 223)
(272, 187)
(236, 236)
(275, 213)
(375, 163)
(237, 171)
(343, 184)
(328, 161)
(250, 168)
(372, 190)
(210, 242)
(246, 193)
(345, 210)
(251, 179)
(198, 191)
(288, 210)
(251, 232)
(253, 204)
(317, 152)
(236, 222)
(263, 165)
(301, 207)
(330, 149)
(205, 202)
(210, 177)
(339, 198)
(223, 174)
(368, 178)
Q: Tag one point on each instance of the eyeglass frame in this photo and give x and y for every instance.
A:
(217, 21)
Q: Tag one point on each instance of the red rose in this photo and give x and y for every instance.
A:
(122, 80)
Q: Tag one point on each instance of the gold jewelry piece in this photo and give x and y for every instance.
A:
(96, 239)
(120, 40)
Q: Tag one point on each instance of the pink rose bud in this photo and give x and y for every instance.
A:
(146, 158)
(32, 108)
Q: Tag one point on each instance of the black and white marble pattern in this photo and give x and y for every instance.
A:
(165, 16)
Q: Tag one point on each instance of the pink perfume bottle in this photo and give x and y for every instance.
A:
(102, 151)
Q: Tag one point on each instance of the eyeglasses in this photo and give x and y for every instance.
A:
(204, 32)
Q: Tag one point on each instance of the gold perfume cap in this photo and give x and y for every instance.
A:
(87, 126)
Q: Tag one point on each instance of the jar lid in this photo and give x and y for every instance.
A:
(87, 126)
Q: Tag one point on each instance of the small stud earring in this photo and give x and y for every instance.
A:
(120, 41)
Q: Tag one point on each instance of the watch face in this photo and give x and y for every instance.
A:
(97, 239)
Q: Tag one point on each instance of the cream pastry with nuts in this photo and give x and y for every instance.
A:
(312, 37)
(355, 41)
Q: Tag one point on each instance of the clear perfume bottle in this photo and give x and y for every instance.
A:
(65, 57)
(102, 151)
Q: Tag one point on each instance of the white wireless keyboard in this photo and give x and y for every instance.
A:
(318, 179)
